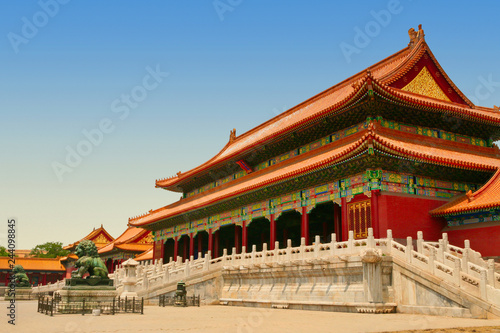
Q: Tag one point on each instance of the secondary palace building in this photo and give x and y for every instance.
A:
(397, 146)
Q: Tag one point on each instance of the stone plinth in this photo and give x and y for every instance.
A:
(93, 298)
(93, 291)
(89, 284)
(96, 295)
(21, 293)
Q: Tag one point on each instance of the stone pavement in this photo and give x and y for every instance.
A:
(217, 319)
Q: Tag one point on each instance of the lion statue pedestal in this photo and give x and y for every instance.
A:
(96, 287)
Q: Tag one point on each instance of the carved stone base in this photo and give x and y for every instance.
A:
(71, 297)
(21, 294)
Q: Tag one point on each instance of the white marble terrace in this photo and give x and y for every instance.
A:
(460, 267)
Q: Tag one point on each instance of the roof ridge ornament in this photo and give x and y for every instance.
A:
(415, 36)
(232, 135)
(470, 196)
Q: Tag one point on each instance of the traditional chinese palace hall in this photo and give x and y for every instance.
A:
(397, 146)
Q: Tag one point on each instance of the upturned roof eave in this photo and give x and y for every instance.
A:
(453, 207)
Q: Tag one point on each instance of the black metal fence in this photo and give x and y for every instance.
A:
(165, 300)
(53, 305)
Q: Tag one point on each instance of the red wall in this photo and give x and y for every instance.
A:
(484, 239)
(406, 215)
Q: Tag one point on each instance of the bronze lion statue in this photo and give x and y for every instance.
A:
(89, 262)
(20, 276)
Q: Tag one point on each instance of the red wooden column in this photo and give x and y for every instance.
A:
(244, 237)
(176, 248)
(191, 245)
(44, 279)
(305, 225)
(374, 213)
(211, 243)
(272, 239)
(345, 227)
(200, 243)
(237, 238)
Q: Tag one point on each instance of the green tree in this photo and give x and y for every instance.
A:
(49, 250)
(3, 251)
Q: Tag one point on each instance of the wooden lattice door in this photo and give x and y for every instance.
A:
(359, 218)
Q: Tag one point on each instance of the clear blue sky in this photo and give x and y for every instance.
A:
(230, 64)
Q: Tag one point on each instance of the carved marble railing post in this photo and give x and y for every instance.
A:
(389, 242)
(491, 272)
(276, 249)
(224, 256)
(264, 252)
(254, 250)
(457, 276)
(166, 275)
(350, 242)
(445, 242)
(370, 240)
(302, 248)
(333, 245)
(465, 261)
(420, 242)
(206, 263)
(483, 284)
(145, 280)
(130, 279)
(316, 246)
(440, 254)
(160, 266)
(186, 268)
(409, 248)
(154, 267)
(432, 256)
(288, 250)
